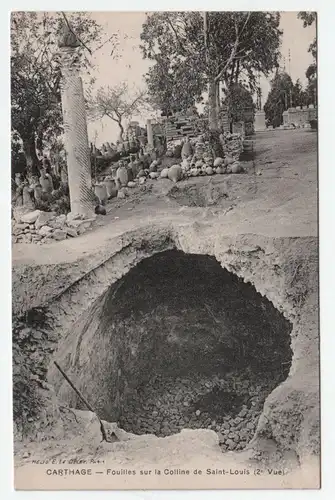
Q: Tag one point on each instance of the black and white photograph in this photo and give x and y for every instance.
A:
(165, 250)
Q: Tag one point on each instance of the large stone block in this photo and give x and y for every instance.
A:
(260, 121)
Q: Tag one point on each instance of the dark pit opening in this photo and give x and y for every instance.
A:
(179, 342)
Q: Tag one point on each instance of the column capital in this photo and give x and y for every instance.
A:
(68, 50)
(70, 61)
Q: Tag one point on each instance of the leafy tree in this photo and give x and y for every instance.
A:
(117, 103)
(35, 74)
(278, 99)
(240, 104)
(203, 50)
(297, 96)
(171, 87)
(309, 19)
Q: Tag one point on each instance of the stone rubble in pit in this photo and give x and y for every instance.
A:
(165, 407)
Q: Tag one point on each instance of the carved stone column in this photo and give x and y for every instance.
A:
(75, 127)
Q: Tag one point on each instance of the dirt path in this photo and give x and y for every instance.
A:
(276, 197)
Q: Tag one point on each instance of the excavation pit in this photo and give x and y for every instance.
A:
(179, 342)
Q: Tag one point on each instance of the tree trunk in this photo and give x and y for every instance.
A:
(213, 121)
(237, 74)
(121, 134)
(218, 98)
(29, 151)
(76, 136)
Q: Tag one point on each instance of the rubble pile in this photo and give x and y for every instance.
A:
(230, 405)
(173, 148)
(232, 145)
(43, 227)
(199, 158)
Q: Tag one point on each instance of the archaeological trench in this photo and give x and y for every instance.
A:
(172, 326)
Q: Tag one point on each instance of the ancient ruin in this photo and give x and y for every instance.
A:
(165, 295)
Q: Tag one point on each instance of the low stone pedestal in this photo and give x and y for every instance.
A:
(260, 121)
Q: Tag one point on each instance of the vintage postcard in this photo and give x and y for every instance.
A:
(165, 287)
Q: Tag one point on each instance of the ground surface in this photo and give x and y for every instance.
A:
(261, 225)
(282, 201)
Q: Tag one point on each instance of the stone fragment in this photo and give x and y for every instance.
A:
(45, 230)
(80, 223)
(73, 216)
(30, 217)
(59, 222)
(59, 235)
(121, 194)
(43, 219)
(230, 443)
(71, 232)
(21, 226)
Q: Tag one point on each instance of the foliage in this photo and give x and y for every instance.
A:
(35, 74)
(310, 18)
(283, 95)
(117, 103)
(233, 48)
(240, 104)
(173, 88)
(278, 99)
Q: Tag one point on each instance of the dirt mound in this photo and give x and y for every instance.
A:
(205, 194)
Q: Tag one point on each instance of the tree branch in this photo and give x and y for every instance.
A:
(70, 28)
(185, 53)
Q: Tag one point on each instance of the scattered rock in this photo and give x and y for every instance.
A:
(121, 194)
(218, 161)
(30, 217)
(21, 226)
(43, 218)
(59, 235)
(71, 232)
(220, 170)
(153, 167)
(45, 230)
(236, 168)
(73, 216)
(175, 173)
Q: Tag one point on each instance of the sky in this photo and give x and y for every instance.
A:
(129, 65)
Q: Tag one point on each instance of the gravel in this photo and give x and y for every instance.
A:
(165, 406)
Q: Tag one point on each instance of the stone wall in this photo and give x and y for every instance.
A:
(299, 116)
